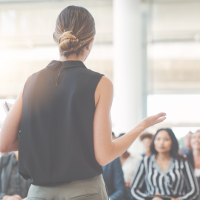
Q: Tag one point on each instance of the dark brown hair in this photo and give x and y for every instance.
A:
(146, 135)
(75, 28)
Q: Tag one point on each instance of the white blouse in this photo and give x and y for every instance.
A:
(197, 172)
(130, 166)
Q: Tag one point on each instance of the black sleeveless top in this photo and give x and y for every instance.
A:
(56, 140)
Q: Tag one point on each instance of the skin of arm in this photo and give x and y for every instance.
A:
(105, 148)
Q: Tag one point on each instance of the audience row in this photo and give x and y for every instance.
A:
(162, 172)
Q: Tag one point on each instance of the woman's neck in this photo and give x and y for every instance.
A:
(163, 156)
(125, 155)
(196, 152)
(73, 57)
(148, 153)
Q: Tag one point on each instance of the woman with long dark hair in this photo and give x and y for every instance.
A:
(63, 112)
(194, 155)
(165, 174)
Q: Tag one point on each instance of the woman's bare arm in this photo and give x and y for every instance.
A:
(8, 135)
(105, 148)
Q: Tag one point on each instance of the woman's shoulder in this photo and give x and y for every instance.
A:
(90, 73)
(93, 72)
(100, 79)
(147, 160)
(105, 85)
(105, 81)
(181, 162)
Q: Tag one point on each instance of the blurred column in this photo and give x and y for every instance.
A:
(127, 69)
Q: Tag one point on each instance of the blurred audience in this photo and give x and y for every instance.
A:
(187, 145)
(12, 185)
(165, 172)
(129, 165)
(146, 139)
(162, 172)
(194, 155)
(114, 179)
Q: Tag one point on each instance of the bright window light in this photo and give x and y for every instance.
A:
(180, 109)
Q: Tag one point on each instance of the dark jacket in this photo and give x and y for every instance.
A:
(114, 179)
(5, 172)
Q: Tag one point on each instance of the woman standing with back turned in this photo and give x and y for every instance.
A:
(63, 113)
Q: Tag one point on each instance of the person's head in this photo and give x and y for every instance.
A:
(146, 139)
(195, 140)
(187, 140)
(74, 32)
(164, 141)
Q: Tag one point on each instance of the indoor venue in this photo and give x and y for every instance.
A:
(149, 49)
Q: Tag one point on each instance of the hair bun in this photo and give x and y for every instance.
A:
(68, 42)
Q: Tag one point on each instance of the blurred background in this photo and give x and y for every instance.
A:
(150, 49)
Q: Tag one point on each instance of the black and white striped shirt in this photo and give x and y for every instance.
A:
(177, 181)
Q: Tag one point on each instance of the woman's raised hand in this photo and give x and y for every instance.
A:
(154, 119)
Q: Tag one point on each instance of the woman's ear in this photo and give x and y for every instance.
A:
(89, 46)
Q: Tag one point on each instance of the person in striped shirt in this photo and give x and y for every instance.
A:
(165, 173)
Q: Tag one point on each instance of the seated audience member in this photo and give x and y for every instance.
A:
(146, 139)
(113, 177)
(12, 185)
(165, 172)
(187, 145)
(194, 155)
(129, 165)
(114, 180)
